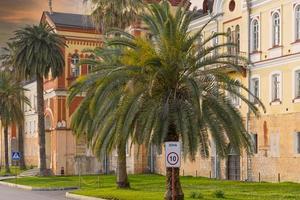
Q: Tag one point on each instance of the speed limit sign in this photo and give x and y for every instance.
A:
(173, 152)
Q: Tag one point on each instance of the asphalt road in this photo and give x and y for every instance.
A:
(9, 193)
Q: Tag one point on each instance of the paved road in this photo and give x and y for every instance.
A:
(9, 193)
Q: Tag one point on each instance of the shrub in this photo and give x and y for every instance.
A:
(219, 194)
(196, 195)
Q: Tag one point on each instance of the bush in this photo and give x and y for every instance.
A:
(196, 195)
(289, 196)
(219, 194)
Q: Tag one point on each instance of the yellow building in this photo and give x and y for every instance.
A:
(268, 33)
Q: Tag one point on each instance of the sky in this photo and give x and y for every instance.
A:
(17, 13)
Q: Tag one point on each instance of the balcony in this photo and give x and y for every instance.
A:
(237, 61)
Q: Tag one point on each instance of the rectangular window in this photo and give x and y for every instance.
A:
(275, 87)
(297, 84)
(90, 68)
(255, 88)
(75, 71)
(235, 98)
(297, 18)
(255, 143)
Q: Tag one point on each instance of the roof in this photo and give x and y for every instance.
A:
(70, 20)
(199, 13)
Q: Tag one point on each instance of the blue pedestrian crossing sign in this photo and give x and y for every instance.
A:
(15, 155)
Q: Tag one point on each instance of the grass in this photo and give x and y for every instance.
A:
(151, 187)
(13, 171)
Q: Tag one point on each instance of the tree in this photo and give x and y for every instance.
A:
(96, 107)
(117, 14)
(174, 88)
(39, 53)
(11, 96)
(7, 62)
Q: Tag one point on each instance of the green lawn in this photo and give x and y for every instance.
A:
(13, 171)
(151, 187)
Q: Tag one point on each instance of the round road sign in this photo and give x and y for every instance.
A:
(172, 158)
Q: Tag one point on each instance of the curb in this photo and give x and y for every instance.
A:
(80, 197)
(24, 187)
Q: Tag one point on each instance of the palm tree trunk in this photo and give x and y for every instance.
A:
(178, 193)
(41, 125)
(7, 170)
(122, 177)
(21, 146)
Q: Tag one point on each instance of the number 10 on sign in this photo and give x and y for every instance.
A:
(173, 151)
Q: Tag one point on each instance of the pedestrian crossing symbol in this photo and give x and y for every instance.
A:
(16, 156)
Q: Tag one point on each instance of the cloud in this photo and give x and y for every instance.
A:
(17, 13)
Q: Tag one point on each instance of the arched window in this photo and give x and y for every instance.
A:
(207, 6)
(91, 66)
(48, 123)
(229, 40)
(255, 35)
(237, 38)
(276, 29)
(297, 21)
(75, 69)
(214, 44)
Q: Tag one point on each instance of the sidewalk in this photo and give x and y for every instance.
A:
(2, 178)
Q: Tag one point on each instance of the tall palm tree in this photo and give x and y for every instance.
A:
(86, 119)
(11, 98)
(117, 14)
(7, 59)
(169, 88)
(39, 52)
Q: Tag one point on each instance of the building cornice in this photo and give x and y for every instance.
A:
(48, 94)
(283, 60)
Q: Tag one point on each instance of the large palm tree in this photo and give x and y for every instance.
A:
(11, 98)
(92, 110)
(115, 13)
(39, 53)
(7, 59)
(170, 88)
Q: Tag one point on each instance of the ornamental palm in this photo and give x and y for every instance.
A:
(7, 59)
(94, 109)
(166, 88)
(120, 14)
(39, 51)
(115, 13)
(11, 98)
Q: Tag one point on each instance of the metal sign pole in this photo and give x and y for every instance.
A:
(16, 175)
